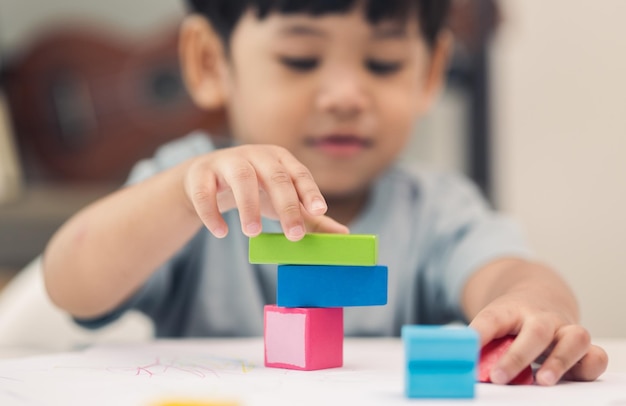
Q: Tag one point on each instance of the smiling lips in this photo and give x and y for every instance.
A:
(341, 145)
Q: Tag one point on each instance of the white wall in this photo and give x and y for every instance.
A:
(560, 156)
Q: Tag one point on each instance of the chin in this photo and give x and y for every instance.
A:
(344, 183)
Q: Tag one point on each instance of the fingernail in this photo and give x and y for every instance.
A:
(498, 376)
(318, 205)
(296, 231)
(546, 378)
(253, 228)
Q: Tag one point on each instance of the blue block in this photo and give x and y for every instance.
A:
(440, 362)
(331, 286)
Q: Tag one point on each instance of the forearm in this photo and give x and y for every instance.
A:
(105, 252)
(516, 277)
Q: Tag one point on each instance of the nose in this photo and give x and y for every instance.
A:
(343, 95)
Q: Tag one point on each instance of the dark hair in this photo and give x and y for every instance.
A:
(225, 14)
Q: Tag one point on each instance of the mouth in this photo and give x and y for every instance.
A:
(340, 145)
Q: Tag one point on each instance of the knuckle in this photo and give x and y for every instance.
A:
(280, 177)
(517, 359)
(303, 173)
(291, 209)
(490, 317)
(247, 206)
(243, 173)
(202, 197)
(560, 363)
(540, 330)
(581, 336)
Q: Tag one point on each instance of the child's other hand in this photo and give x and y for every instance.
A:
(258, 180)
(563, 347)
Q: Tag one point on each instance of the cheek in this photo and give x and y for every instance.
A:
(399, 114)
(262, 112)
(264, 106)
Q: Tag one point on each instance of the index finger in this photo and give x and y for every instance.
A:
(242, 180)
(308, 191)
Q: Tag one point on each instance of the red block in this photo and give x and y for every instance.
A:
(303, 338)
(489, 356)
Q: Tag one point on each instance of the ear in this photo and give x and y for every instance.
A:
(435, 75)
(203, 62)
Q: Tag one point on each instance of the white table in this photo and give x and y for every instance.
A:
(146, 373)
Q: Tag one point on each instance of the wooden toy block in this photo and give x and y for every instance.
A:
(441, 362)
(489, 356)
(331, 286)
(303, 338)
(314, 249)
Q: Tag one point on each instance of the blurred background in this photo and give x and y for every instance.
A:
(534, 112)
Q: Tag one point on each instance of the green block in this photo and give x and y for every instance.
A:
(315, 249)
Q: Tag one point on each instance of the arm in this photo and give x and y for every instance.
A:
(514, 296)
(107, 251)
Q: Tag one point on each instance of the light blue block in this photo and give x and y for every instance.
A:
(440, 362)
(331, 286)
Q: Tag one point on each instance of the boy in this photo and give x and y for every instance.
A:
(322, 96)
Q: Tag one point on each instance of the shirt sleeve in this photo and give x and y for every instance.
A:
(467, 235)
(170, 155)
(150, 297)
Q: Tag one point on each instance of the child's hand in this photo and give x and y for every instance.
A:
(258, 180)
(543, 335)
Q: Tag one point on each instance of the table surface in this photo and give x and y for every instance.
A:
(232, 369)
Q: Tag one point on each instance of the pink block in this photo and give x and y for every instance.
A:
(491, 354)
(303, 338)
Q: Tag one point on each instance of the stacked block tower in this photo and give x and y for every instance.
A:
(317, 277)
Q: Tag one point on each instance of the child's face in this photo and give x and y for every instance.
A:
(340, 94)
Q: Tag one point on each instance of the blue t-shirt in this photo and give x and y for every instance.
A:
(434, 231)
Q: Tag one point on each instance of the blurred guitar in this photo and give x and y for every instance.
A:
(10, 170)
(86, 105)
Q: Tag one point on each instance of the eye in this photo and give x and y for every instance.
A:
(382, 68)
(300, 64)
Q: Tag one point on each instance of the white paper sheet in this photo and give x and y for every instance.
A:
(213, 370)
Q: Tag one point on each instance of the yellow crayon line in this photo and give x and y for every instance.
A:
(195, 403)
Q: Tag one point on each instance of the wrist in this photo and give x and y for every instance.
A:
(181, 175)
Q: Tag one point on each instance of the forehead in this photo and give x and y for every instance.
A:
(354, 21)
(373, 10)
